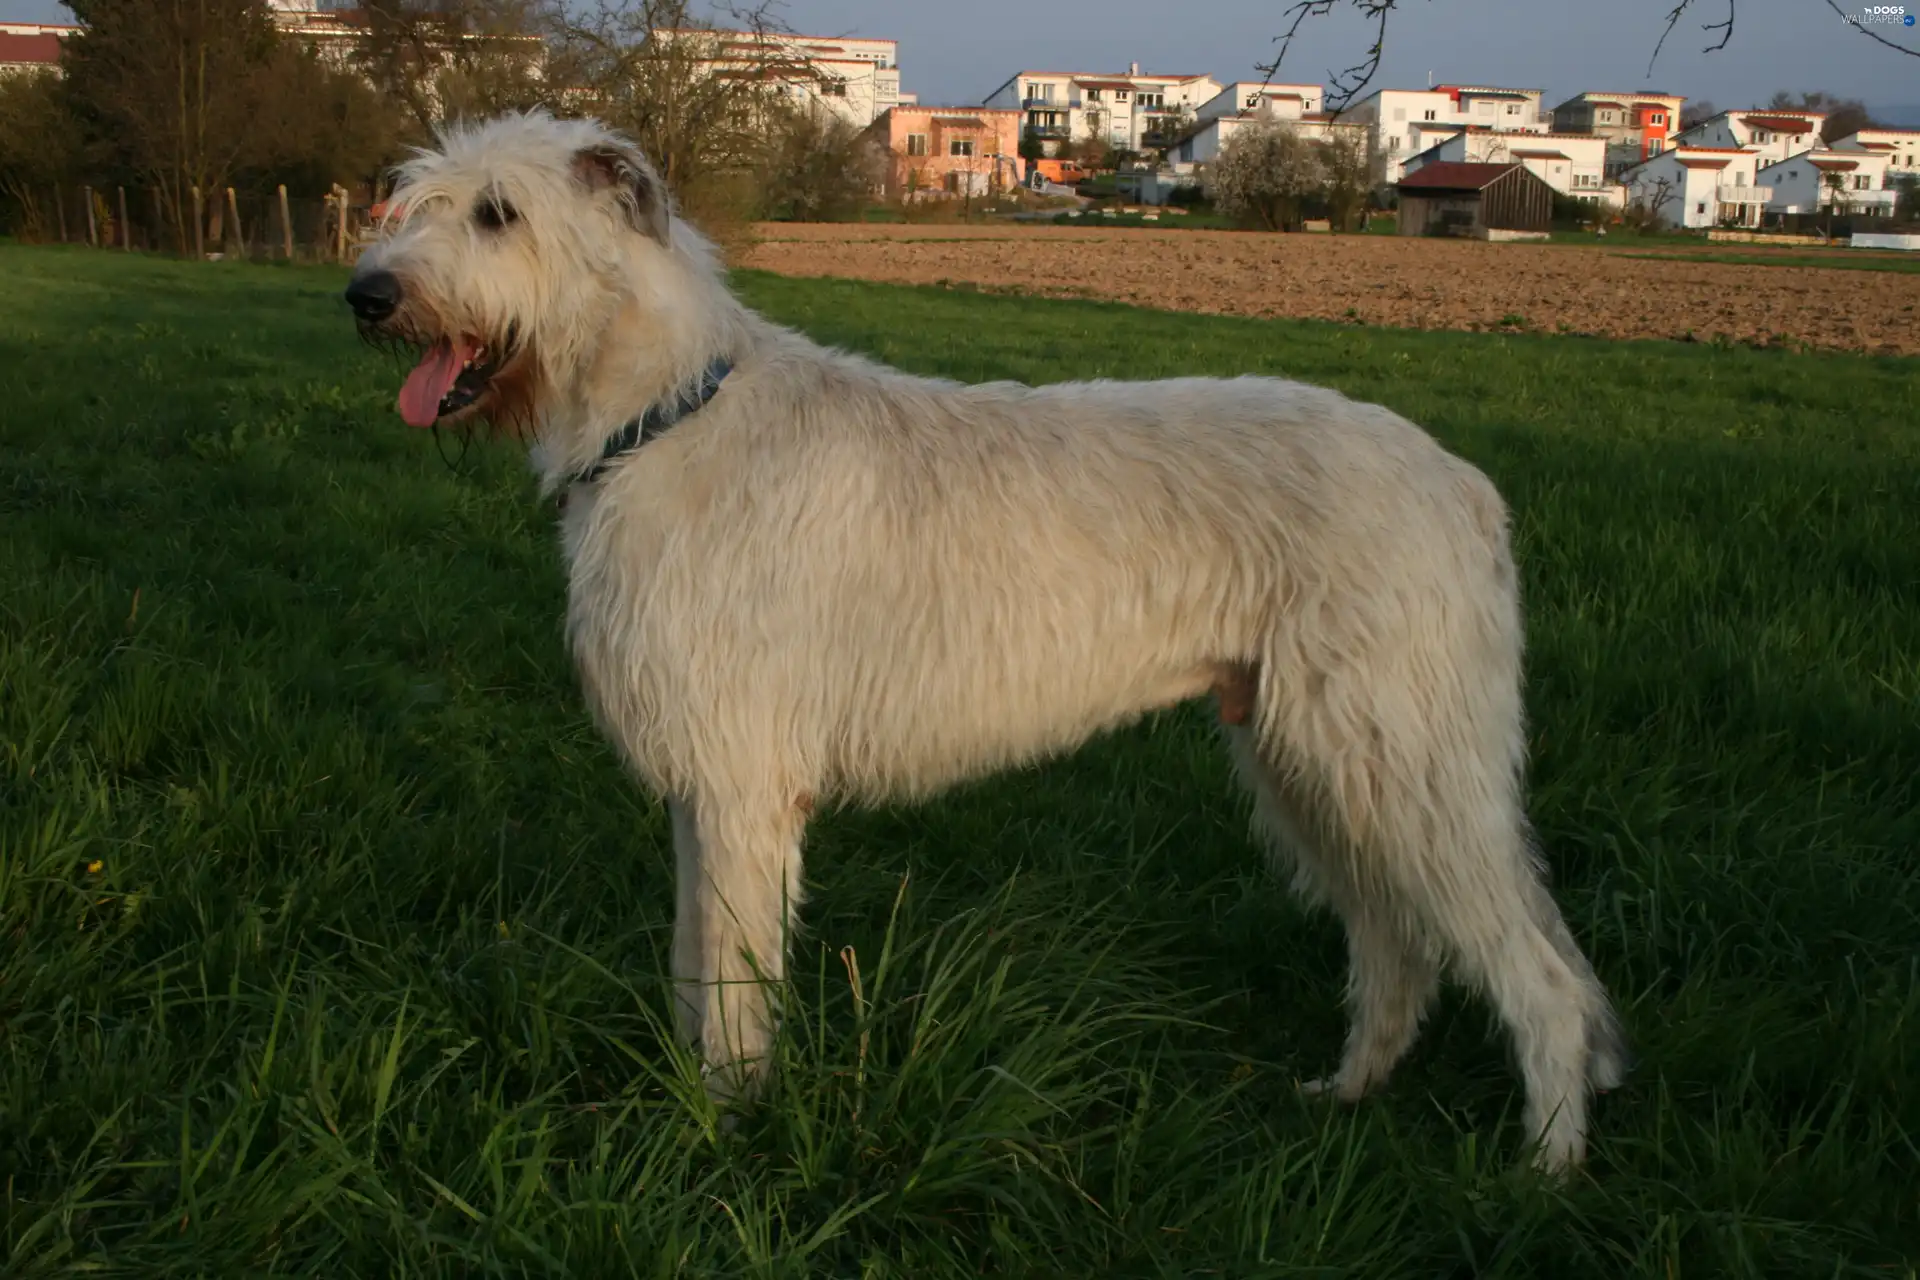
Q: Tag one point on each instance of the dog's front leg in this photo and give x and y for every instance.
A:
(733, 929)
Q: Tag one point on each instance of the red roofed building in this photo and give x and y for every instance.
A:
(1573, 164)
(1774, 134)
(1401, 123)
(1484, 201)
(26, 52)
(856, 79)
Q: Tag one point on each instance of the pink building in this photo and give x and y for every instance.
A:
(935, 152)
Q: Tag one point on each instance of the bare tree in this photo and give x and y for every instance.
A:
(1647, 201)
(1844, 116)
(444, 59)
(818, 166)
(1345, 87)
(1264, 172)
(697, 99)
(1698, 111)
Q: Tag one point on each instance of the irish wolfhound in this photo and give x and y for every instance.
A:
(797, 575)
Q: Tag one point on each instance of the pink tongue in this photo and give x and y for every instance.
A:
(431, 379)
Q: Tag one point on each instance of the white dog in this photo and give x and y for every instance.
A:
(797, 574)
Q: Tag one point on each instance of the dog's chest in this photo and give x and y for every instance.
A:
(620, 611)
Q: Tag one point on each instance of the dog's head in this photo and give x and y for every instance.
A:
(504, 255)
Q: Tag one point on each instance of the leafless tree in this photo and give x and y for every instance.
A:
(1698, 111)
(817, 165)
(1844, 116)
(1647, 201)
(1346, 86)
(445, 59)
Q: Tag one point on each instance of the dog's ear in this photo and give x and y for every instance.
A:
(626, 173)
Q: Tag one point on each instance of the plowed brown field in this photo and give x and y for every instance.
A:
(1380, 280)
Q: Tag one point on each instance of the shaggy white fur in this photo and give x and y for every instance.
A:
(840, 581)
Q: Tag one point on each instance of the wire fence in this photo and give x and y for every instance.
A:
(259, 224)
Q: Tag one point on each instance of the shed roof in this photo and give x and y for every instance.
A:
(1455, 175)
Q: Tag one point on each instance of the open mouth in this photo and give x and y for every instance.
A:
(453, 376)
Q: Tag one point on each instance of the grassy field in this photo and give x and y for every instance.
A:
(332, 932)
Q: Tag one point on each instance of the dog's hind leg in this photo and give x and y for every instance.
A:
(739, 917)
(1392, 978)
(1425, 809)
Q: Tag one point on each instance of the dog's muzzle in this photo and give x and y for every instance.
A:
(373, 295)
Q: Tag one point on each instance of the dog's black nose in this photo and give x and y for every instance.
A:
(374, 295)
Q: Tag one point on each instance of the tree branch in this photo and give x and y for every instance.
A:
(1345, 86)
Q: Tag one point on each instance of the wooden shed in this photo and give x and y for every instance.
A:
(1485, 201)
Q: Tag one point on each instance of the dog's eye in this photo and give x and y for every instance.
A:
(494, 213)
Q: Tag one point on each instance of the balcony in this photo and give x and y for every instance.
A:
(1031, 102)
(1727, 193)
(1047, 131)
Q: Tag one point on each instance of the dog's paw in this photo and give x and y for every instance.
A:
(1333, 1087)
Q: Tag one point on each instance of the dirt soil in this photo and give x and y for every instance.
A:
(1380, 280)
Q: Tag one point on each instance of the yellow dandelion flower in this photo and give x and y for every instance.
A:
(93, 868)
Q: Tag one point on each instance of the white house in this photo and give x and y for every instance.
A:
(1574, 164)
(1774, 134)
(1404, 122)
(1285, 101)
(1700, 186)
(1203, 145)
(1852, 181)
(1900, 146)
(1131, 111)
(858, 80)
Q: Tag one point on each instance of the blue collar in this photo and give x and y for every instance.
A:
(655, 420)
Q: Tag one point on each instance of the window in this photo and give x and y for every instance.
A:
(1658, 117)
(960, 147)
(1430, 115)
(1513, 108)
(1860, 182)
(916, 144)
(1701, 207)
(1093, 95)
(1119, 95)
(834, 88)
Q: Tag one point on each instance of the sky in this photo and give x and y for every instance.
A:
(954, 52)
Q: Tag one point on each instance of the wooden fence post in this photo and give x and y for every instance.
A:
(126, 229)
(199, 228)
(239, 236)
(93, 228)
(286, 223)
(340, 242)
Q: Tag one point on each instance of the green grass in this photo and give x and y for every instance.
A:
(333, 932)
